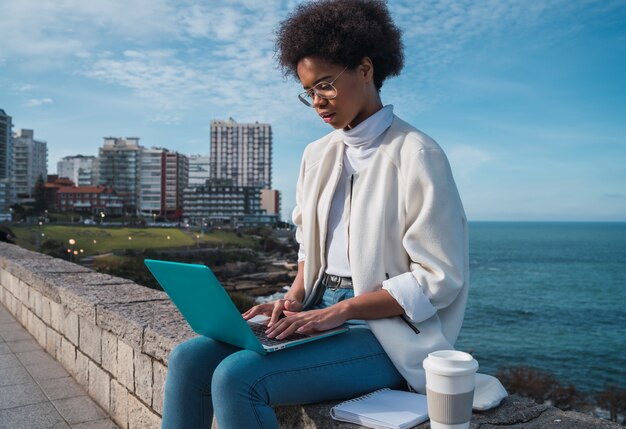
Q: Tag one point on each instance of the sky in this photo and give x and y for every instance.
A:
(527, 98)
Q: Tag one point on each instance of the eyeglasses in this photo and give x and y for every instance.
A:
(324, 90)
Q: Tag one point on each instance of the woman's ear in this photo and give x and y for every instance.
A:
(366, 69)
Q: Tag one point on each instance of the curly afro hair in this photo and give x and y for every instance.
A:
(341, 32)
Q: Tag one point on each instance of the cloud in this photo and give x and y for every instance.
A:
(24, 87)
(35, 102)
(465, 159)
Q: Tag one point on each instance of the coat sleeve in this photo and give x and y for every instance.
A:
(435, 238)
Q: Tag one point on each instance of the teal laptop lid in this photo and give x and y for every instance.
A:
(204, 303)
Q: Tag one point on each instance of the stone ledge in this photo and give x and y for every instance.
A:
(115, 337)
(513, 412)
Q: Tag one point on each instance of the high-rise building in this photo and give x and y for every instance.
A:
(221, 201)
(199, 170)
(6, 165)
(78, 168)
(118, 168)
(163, 175)
(270, 201)
(241, 152)
(6, 145)
(30, 163)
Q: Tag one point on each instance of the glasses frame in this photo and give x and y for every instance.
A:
(308, 94)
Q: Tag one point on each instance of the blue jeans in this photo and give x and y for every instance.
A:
(241, 386)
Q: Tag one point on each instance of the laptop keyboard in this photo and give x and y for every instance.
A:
(259, 331)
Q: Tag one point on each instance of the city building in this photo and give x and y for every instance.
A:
(92, 200)
(163, 175)
(7, 195)
(51, 187)
(118, 169)
(78, 168)
(30, 163)
(199, 170)
(221, 202)
(242, 153)
(270, 201)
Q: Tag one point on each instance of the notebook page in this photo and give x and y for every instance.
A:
(384, 408)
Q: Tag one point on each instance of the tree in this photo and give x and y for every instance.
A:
(613, 400)
(41, 205)
(529, 382)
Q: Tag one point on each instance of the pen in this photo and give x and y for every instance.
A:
(405, 318)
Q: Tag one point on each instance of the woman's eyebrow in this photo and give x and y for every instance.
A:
(321, 79)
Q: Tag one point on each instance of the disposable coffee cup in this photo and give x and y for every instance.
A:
(450, 379)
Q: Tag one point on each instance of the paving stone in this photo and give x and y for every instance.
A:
(39, 357)
(60, 388)
(14, 333)
(42, 415)
(80, 409)
(5, 315)
(16, 395)
(99, 424)
(23, 345)
(9, 361)
(46, 371)
(10, 326)
(4, 348)
(14, 375)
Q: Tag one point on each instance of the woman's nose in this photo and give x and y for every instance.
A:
(317, 100)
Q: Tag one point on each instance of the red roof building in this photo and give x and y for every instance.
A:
(91, 199)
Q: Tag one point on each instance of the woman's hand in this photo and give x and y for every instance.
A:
(274, 309)
(307, 322)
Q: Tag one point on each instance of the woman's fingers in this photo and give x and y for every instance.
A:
(258, 309)
(276, 311)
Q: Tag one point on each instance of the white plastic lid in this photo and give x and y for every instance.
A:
(450, 362)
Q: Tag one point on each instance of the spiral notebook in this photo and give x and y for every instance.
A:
(383, 409)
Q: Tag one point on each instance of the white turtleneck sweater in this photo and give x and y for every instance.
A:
(360, 145)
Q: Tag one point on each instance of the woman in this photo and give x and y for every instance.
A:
(382, 233)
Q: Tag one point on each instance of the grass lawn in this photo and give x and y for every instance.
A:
(96, 240)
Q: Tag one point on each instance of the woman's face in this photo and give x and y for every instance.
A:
(350, 106)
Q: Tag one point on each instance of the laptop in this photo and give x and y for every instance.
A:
(208, 309)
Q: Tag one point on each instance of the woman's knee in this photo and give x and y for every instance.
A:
(239, 372)
(196, 356)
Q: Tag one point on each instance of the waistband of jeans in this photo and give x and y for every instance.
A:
(336, 282)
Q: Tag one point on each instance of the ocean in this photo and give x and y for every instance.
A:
(549, 295)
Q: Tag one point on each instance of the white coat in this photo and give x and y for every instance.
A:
(405, 222)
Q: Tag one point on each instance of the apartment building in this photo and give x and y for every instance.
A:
(30, 162)
(241, 152)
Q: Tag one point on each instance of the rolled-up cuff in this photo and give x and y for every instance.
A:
(410, 295)
(301, 254)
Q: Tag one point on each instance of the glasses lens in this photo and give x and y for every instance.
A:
(323, 90)
(306, 98)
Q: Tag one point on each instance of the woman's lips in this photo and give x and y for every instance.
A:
(328, 117)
